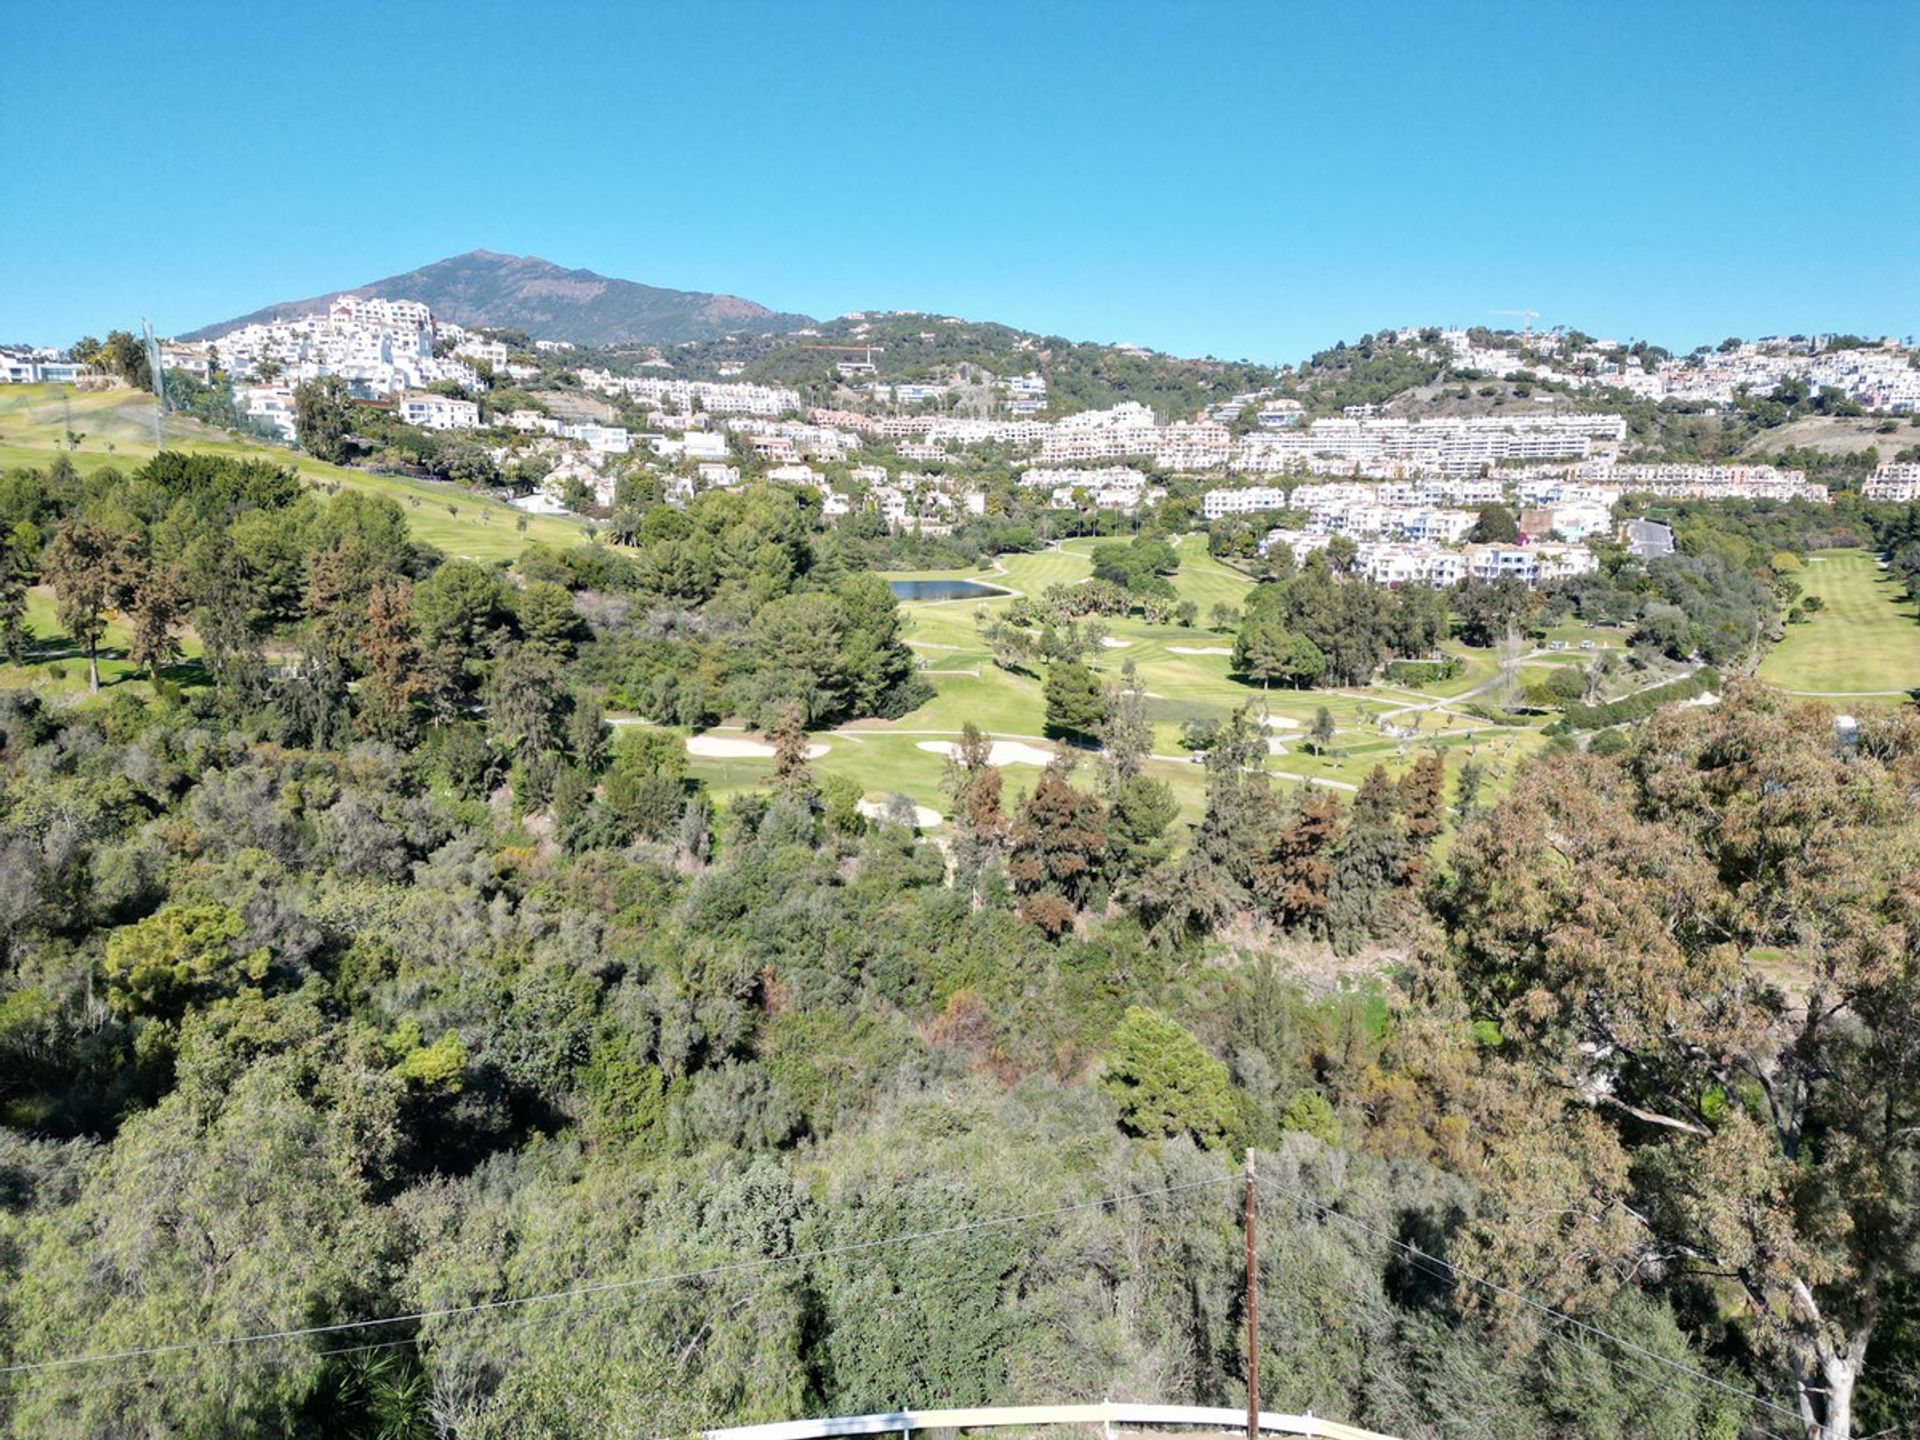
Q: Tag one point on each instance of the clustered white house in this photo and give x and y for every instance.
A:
(1413, 532)
(379, 347)
(1876, 376)
(1106, 487)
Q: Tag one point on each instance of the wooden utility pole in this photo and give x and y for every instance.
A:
(1253, 1318)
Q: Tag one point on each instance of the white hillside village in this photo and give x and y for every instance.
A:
(1401, 494)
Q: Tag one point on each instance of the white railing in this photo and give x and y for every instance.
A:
(1106, 1415)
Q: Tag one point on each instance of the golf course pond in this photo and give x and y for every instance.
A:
(943, 589)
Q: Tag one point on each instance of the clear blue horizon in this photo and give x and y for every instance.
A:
(1244, 181)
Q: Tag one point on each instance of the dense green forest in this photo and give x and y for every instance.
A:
(354, 970)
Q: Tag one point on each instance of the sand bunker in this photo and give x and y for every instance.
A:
(1282, 722)
(1201, 649)
(1113, 644)
(924, 816)
(1002, 752)
(727, 747)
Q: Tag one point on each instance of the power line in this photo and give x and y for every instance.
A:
(578, 1291)
(1432, 1263)
(1421, 1257)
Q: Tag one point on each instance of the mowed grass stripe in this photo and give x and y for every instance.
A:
(1865, 640)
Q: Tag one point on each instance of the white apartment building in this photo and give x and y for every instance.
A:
(494, 352)
(1574, 520)
(906, 393)
(40, 367)
(600, 439)
(189, 358)
(1245, 501)
(1090, 478)
(703, 445)
(1393, 563)
(271, 403)
(438, 412)
(1708, 482)
(379, 347)
(1894, 481)
(712, 396)
(1529, 564)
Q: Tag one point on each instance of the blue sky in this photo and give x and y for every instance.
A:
(1248, 181)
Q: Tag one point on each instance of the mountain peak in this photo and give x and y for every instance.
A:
(484, 288)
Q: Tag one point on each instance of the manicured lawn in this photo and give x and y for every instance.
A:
(1864, 642)
(116, 428)
(1185, 673)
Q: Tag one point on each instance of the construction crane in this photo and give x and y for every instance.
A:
(852, 367)
(1526, 322)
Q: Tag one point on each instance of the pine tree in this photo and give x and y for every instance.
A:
(1126, 736)
(1076, 705)
(390, 653)
(226, 600)
(336, 599)
(1423, 804)
(1466, 791)
(1367, 866)
(87, 565)
(1293, 874)
(587, 734)
(15, 573)
(792, 773)
(973, 785)
(154, 593)
(1057, 846)
(1321, 731)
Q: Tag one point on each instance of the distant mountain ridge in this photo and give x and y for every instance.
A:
(482, 289)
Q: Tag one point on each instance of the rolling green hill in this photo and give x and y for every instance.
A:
(115, 427)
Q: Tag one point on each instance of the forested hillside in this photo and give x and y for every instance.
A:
(391, 1046)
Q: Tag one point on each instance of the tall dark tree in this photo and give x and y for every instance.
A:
(1423, 806)
(792, 772)
(973, 783)
(390, 655)
(525, 702)
(1057, 846)
(16, 571)
(1076, 705)
(1293, 874)
(1494, 525)
(323, 417)
(87, 564)
(226, 599)
(1368, 865)
(154, 595)
(1126, 735)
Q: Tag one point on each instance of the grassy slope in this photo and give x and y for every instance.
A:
(116, 428)
(1865, 642)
